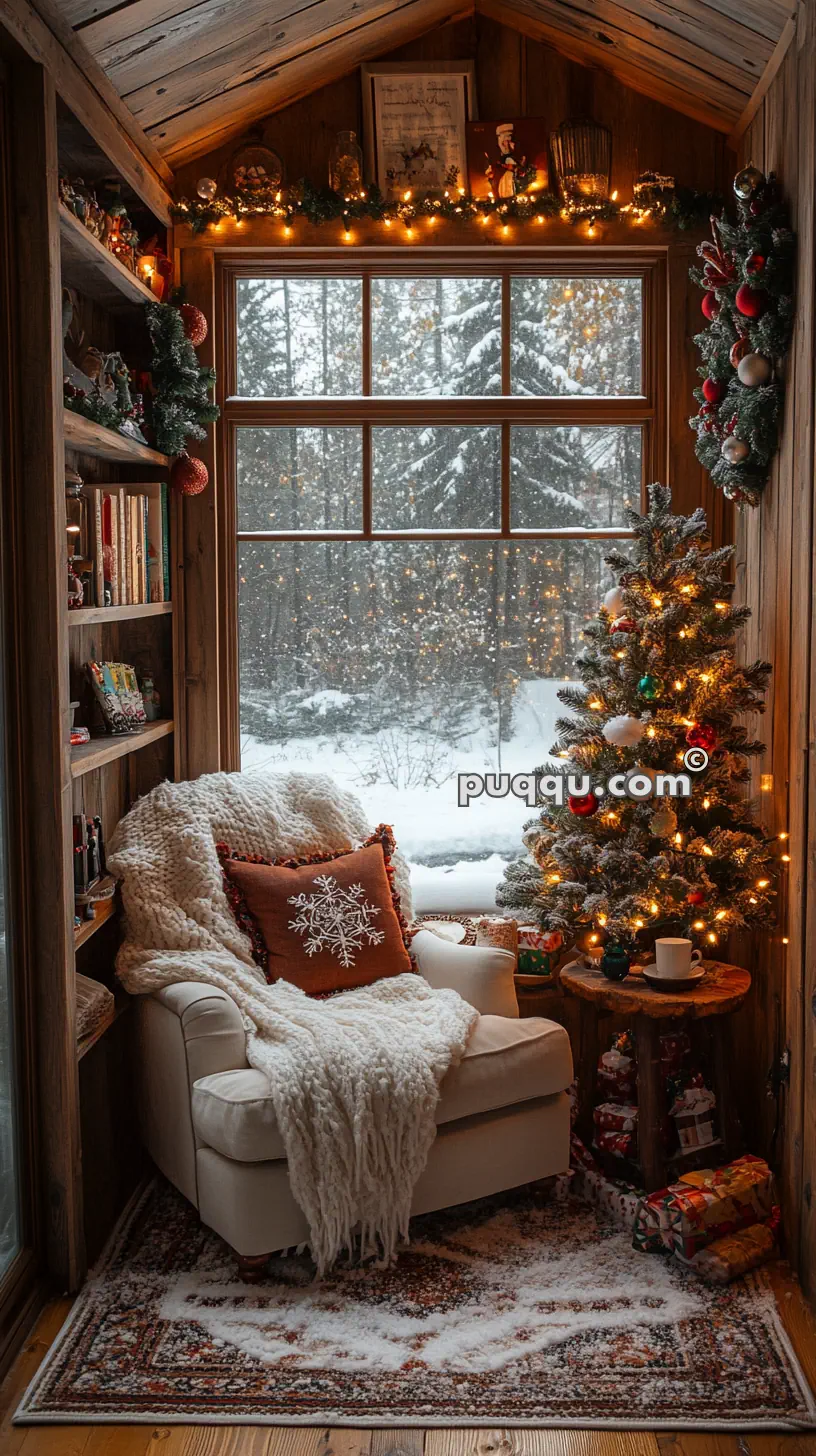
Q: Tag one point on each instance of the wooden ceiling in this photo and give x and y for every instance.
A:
(192, 74)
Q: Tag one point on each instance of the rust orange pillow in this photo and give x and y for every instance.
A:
(326, 923)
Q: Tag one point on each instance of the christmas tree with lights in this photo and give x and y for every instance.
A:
(659, 676)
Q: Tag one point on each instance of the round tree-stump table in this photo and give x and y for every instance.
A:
(723, 989)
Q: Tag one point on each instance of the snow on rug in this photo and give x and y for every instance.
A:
(512, 1311)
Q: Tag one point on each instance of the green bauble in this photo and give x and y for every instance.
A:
(615, 963)
(650, 687)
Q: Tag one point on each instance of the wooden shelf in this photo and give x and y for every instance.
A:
(105, 910)
(84, 616)
(89, 266)
(92, 439)
(120, 1005)
(86, 757)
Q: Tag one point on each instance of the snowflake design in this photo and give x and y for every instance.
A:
(336, 920)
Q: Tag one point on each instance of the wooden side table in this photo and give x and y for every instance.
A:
(723, 989)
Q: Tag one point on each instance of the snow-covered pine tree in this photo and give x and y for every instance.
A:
(660, 672)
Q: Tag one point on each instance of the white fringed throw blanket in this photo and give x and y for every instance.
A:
(355, 1079)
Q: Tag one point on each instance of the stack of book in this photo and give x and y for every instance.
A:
(129, 533)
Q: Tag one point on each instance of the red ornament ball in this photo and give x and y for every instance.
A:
(583, 804)
(195, 324)
(623, 624)
(710, 305)
(713, 390)
(750, 301)
(739, 350)
(189, 475)
(695, 897)
(755, 263)
(702, 735)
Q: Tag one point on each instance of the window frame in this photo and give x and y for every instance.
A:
(649, 410)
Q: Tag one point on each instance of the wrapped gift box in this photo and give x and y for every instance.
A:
(705, 1206)
(538, 950)
(735, 1254)
(615, 1117)
(619, 1144)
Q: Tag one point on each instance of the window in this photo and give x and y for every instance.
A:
(427, 461)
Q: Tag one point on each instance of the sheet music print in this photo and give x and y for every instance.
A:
(420, 127)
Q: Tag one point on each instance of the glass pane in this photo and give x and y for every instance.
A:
(299, 336)
(416, 660)
(432, 336)
(295, 479)
(571, 476)
(576, 336)
(443, 478)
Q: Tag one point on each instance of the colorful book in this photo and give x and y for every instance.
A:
(155, 546)
(98, 547)
(124, 599)
(165, 511)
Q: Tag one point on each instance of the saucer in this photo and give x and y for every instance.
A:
(674, 983)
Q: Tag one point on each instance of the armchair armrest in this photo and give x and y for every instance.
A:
(482, 975)
(210, 1025)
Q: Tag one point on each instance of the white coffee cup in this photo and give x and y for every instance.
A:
(675, 958)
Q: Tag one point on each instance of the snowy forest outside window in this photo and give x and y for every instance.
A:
(427, 462)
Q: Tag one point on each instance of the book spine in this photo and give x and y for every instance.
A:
(145, 550)
(138, 545)
(110, 540)
(99, 554)
(165, 516)
(120, 503)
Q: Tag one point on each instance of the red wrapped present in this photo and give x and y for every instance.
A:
(735, 1254)
(621, 1144)
(615, 1117)
(704, 1206)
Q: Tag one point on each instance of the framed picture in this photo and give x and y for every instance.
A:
(414, 124)
(507, 157)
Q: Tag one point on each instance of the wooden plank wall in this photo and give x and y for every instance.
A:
(515, 76)
(774, 577)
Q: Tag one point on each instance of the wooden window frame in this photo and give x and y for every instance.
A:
(647, 410)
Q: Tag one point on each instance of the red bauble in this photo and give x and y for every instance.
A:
(695, 897)
(702, 735)
(755, 263)
(189, 475)
(195, 324)
(751, 302)
(739, 350)
(710, 305)
(583, 804)
(713, 390)
(624, 624)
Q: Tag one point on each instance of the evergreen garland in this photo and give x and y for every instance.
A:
(626, 870)
(747, 277)
(320, 205)
(181, 403)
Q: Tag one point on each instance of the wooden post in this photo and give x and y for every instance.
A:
(650, 1102)
(41, 641)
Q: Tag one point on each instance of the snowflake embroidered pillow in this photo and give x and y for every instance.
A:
(326, 924)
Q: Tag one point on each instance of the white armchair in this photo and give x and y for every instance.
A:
(209, 1122)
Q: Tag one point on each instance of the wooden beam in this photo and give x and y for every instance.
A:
(72, 83)
(760, 90)
(717, 112)
(228, 113)
(37, 488)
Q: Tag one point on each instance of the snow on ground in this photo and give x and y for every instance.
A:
(457, 854)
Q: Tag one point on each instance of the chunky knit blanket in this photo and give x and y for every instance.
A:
(355, 1079)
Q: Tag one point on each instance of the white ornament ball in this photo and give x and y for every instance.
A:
(623, 732)
(206, 188)
(614, 603)
(663, 823)
(754, 370)
(734, 451)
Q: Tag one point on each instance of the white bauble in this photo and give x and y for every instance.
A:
(734, 451)
(614, 603)
(663, 823)
(754, 370)
(623, 732)
(206, 188)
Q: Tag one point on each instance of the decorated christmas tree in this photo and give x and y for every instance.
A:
(747, 277)
(182, 406)
(659, 676)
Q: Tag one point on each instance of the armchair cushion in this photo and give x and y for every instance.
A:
(506, 1062)
(483, 975)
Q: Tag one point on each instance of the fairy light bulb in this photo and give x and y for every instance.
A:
(785, 858)
(698, 925)
(595, 703)
(639, 924)
(783, 835)
(763, 884)
(721, 914)
(602, 920)
(711, 938)
(707, 850)
(706, 803)
(654, 907)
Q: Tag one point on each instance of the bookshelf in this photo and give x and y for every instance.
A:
(103, 912)
(88, 438)
(88, 266)
(84, 616)
(88, 757)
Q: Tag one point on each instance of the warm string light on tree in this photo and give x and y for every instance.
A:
(696, 866)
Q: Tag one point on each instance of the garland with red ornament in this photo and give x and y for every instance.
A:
(181, 406)
(746, 273)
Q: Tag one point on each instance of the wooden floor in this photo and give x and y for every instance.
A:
(147, 1440)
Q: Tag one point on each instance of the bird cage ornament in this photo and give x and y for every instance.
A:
(582, 156)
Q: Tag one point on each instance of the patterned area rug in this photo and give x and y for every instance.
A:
(512, 1311)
